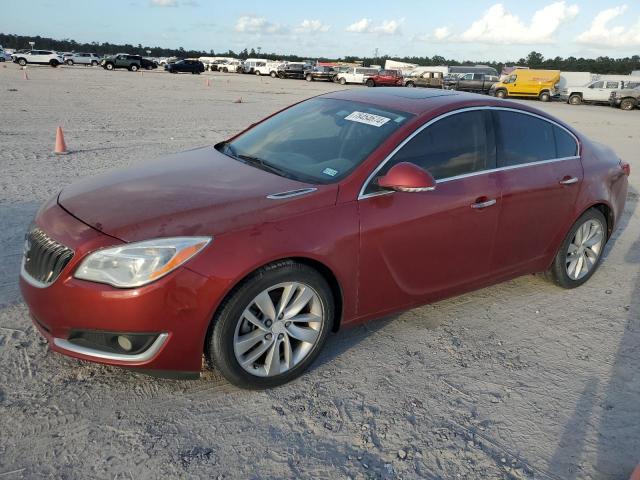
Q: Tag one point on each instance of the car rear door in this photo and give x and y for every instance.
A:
(540, 176)
(419, 246)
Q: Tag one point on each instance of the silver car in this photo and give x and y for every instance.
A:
(82, 59)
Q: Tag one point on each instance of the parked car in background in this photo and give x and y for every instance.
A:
(340, 209)
(540, 84)
(185, 66)
(626, 98)
(354, 74)
(82, 59)
(463, 69)
(4, 56)
(385, 78)
(37, 57)
(132, 63)
(470, 82)
(596, 92)
(251, 64)
(293, 70)
(327, 74)
(233, 66)
(424, 79)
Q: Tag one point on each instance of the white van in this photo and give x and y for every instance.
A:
(355, 74)
(250, 64)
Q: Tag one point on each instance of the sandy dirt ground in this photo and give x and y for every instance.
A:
(521, 380)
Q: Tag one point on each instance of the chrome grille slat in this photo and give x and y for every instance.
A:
(44, 258)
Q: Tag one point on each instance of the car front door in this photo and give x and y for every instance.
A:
(540, 176)
(418, 246)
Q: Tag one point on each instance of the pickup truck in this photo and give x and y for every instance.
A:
(385, 78)
(626, 98)
(132, 63)
(470, 82)
(327, 74)
(595, 92)
(425, 79)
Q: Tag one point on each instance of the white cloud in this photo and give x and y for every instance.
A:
(601, 34)
(164, 3)
(499, 26)
(360, 26)
(252, 24)
(312, 26)
(442, 33)
(365, 25)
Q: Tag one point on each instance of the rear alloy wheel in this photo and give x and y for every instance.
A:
(70, 62)
(581, 251)
(575, 99)
(54, 63)
(544, 97)
(134, 68)
(272, 327)
(22, 62)
(257, 73)
(370, 83)
(94, 63)
(627, 104)
(343, 81)
(273, 74)
(109, 66)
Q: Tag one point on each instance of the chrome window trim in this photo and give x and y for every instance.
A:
(372, 175)
(148, 354)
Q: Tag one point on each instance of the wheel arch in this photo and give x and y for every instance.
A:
(321, 267)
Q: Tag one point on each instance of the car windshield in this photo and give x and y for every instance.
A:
(317, 141)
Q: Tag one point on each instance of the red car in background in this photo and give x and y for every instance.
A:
(337, 210)
(385, 78)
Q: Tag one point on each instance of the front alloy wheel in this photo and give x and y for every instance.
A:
(272, 327)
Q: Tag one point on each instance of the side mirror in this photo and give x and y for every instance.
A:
(407, 177)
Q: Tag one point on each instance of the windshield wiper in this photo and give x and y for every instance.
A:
(260, 163)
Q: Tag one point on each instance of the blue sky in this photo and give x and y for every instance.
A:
(460, 29)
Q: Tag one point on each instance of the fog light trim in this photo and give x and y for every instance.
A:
(148, 354)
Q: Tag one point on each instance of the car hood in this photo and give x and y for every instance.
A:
(199, 192)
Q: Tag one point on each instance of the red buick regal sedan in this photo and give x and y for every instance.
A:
(337, 210)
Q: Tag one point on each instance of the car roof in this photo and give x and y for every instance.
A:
(427, 101)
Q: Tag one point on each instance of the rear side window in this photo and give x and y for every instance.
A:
(527, 139)
(444, 152)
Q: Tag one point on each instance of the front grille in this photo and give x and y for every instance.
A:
(44, 258)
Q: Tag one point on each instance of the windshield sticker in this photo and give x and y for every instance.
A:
(368, 118)
(330, 171)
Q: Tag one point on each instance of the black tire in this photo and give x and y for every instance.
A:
(219, 344)
(108, 66)
(627, 104)
(558, 271)
(273, 74)
(309, 78)
(370, 83)
(575, 99)
(94, 63)
(134, 67)
(69, 62)
(54, 63)
(501, 93)
(225, 70)
(410, 85)
(22, 62)
(148, 67)
(257, 73)
(545, 97)
(342, 81)
(281, 76)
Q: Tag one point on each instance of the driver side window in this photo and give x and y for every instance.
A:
(456, 145)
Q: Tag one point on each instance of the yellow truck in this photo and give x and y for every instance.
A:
(540, 84)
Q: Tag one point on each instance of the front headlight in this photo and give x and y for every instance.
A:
(136, 264)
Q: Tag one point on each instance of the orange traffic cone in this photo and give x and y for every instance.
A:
(635, 475)
(61, 147)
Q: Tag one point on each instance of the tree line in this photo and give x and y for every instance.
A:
(533, 60)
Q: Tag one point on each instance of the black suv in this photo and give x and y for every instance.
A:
(294, 70)
(328, 74)
(130, 62)
(187, 66)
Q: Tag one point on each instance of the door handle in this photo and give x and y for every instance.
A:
(569, 180)
(484, 204)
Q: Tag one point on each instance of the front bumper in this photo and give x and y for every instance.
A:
(177, 308)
